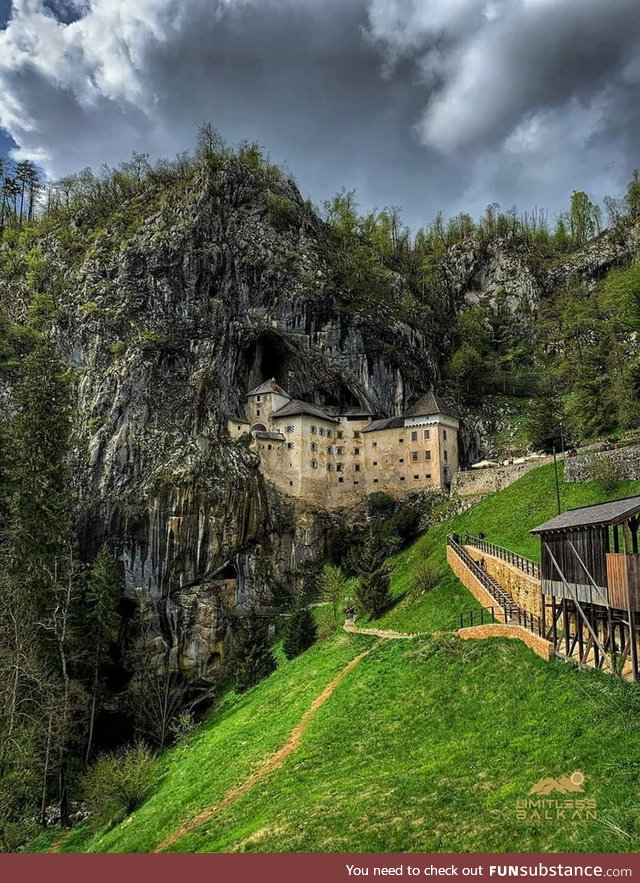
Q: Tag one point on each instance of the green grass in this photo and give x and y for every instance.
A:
(426, 746)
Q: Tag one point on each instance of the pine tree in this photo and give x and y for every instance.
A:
(373, 592)
(252, 652)
(103, 620)
(301, 632)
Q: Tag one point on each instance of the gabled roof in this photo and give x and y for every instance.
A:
(598, 515)
(267, 387)
(430, 404)
(385, 423)
(294, 408)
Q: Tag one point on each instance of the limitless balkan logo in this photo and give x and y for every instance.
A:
(569, 809)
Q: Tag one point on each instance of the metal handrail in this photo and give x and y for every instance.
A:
(526, 565)
(510, 610)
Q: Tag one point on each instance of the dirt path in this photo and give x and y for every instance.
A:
(376, 633)
(275, 761)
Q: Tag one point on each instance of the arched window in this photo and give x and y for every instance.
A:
(314, 446)
(314, 464)
(329, 433)
(290, 446)
(330, 467)
(330, 449)
(314, 430)
(289, 428)
(323, 431)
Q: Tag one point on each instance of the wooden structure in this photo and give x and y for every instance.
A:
(590, 577)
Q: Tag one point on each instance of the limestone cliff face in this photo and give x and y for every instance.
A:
(218, 287)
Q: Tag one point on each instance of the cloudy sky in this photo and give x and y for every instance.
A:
(425, 104)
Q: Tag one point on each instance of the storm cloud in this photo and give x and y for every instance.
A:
(446, 104)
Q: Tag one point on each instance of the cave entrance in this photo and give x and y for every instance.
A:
(268, 356)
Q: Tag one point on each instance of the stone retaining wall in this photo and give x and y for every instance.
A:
(525, 590)
(515, 632)
(468, 579)
(487, 481)
(627, 461)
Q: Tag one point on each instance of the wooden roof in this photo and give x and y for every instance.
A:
(294, 407)
(267, 387)
(598, 515)
(429, 405)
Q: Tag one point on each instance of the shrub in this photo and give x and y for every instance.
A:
(426, 577)
(301, 632)
(117, 784)
(606, 472)
(282, 212)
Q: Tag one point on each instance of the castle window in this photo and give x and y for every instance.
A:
(338, 467)
(314, 446)
(374, 445)
(356, 482)
(375, 481)
(446, 456)
(428, 476)
(401, 440)
(356, 450)
(290, 446)
(402, 478)
(258, 398)
(416, 477)
(339, 450)
(400, 459)
(357, 467)
(341, 480)
(290, 484)
(329, 433)
(414, 456)
(339, 433)
(289, 428)
(375, 462)
(330, 467)
(314, 430)
(414, 436)
(444, 434)
(427, 455)
(323, 431)
(269, 447)
(356, 434)
(427, 434)
(330, 449)
(314, 464)
(258, 412)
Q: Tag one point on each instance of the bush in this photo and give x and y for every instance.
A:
(373, 592)
(427, 576)
(281, 211)
(301, 632)
(606, 472)
(117, 784)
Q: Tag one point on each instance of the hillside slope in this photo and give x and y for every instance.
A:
(426, 745)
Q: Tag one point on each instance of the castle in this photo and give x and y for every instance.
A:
(335, 459)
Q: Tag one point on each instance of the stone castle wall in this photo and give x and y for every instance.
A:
(625, 460)
(487, 481)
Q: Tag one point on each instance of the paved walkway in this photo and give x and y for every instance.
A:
(377, 633)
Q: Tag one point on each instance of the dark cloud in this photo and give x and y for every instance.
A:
(448, 104)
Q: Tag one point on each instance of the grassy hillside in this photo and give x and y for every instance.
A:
(427, 744)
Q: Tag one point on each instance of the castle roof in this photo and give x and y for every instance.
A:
(385, 423)
(430, 404)
(295, 407)
(267, 387)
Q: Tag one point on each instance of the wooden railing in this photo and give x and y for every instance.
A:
(526, 565)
